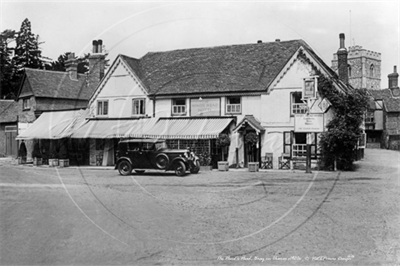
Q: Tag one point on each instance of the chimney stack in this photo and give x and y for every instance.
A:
(343, 70)
(393, 78)
(72, 66)
(99, 46)
(96, 63)
(95, 47)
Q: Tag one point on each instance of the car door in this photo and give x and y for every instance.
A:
(148, 154)
(134, 153)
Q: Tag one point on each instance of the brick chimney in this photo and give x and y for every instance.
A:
(343, 70)
(96, 63)
(393, 78)
(71, 66)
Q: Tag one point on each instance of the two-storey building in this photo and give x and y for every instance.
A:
(43, 91)
(264, 96)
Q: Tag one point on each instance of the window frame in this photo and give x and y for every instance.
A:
(142, 106)
(370, 117)
(100, 110)
(26, 104)
(178, 106)
(293, 102)
(233, 105)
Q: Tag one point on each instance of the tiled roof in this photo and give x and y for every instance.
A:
(233, 68)
(8, 111)
(252, 121)
(55, 84)
(392, 104)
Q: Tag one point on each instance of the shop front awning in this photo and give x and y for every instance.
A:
(115, 128)
(54, 125)
(190, 128)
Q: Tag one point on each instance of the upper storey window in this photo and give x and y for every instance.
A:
(26, 105)
(298, 106)
(178, 106)
(233, 105)
(138, 106)
(102, 107)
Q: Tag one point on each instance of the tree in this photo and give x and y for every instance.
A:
(59, 64)
(7, 68)
(27, 52)
(223, 141)
(339, 142)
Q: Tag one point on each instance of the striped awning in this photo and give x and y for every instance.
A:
(191, 128)
(117, 128)
(54, 125)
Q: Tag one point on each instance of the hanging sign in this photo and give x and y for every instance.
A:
(310, 88)
(309, 123)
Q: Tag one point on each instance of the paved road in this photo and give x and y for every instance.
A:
(96, 217)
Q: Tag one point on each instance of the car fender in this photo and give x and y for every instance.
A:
(122, 159)
(184, 160)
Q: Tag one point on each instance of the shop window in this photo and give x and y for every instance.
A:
(26, 104)
(178, 106)
(138, 106)
(233, 105)
(102, 107)
(298, 106)
(99, 144)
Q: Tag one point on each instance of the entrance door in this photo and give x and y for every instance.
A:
(251, 151)
(11, 142)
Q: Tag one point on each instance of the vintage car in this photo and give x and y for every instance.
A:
(144, 154)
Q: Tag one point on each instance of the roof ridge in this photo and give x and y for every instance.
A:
(50, 71)
(221, 46)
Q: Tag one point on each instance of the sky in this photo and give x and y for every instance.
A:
(134, 28)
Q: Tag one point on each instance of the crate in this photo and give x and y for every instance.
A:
(223, 166)
(253, 167)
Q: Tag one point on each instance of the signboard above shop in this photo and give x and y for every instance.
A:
(309, 123)
(205, 107)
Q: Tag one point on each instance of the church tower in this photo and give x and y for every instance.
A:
(364, 68)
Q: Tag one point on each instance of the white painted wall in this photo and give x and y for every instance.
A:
(251, 105)
(120, 88)
(163, 107)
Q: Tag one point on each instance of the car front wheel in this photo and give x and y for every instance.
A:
(124, 168)
(180, 169)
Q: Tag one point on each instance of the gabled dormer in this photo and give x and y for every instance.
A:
(121, 94)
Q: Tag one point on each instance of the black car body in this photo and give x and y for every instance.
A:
(143, 154)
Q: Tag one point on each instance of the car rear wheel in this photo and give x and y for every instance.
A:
(139, 171)
(124, 168)
(196, 167)
(180, 168)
